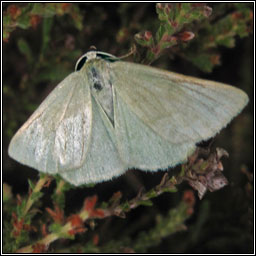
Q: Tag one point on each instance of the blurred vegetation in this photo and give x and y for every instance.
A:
(42, 42)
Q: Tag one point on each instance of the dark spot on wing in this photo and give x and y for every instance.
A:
(97, 86)
(94, 73)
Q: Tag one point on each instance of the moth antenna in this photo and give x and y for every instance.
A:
(131, 52)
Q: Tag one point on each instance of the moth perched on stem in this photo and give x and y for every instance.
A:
(109, 116)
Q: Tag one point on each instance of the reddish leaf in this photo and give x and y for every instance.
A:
(17, 225)
(47, 184)
(44, 230)
(65, 6)
(75, 220)
(95, 239)
(89, 203)
(189, 198)
(39, 248)
(29, 227)
(98, 213)
(19, 200)
(57, 215)
(34, 20)
(147, 35)
(14, 11)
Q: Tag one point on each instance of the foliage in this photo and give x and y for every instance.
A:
(41, 44)
(30, 15)
(68, 227)
(180, 23)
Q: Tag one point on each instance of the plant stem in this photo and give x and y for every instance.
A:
(37, 188)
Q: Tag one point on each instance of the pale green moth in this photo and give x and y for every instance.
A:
(109, 116)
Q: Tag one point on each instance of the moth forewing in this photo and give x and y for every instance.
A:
(178, 108)
(55, 138)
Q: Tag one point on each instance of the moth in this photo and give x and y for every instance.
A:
(109, 116)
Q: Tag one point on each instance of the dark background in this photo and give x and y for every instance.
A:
(223, 220)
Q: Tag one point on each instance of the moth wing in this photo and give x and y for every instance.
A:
(179, 108)
(56, 137)
(140, 146)
(102, 161)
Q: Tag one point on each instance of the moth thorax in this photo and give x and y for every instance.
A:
(101, 88)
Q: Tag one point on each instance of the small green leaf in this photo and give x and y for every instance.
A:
(160, 32)
(31, 184)
(7, 192)
(21, 208)
(25, 49)
(47, 25)
(145, 202)
(170, 189)
(55, 227)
